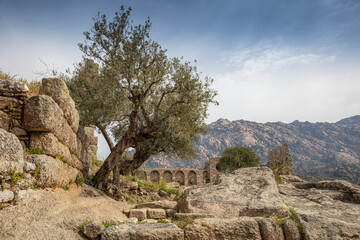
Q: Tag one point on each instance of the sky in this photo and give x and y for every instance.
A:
(271, 60)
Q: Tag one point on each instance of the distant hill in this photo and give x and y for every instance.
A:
(319, 150)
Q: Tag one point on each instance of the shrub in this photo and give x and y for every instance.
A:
(237, 157)
(79, 179)
(34, 150)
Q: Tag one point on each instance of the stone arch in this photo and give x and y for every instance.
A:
(167, 176)
(180, 177)
(206, 177)
(192, 178)
(154, 176)
(141, 175)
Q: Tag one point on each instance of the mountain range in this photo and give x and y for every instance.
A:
(319, 150)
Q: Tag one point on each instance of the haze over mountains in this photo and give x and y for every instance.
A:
(319, 150)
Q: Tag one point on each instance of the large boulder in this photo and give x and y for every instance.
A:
(52, 171)
(57, 89)
(42, 114)
(327, 209)
(230, 228)
(51, 146)
(13, 87)
(12, 154)
(246, 192)
(168, 231)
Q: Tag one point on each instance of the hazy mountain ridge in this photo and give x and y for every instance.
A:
(319, 150)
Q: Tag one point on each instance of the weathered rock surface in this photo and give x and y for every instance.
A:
(51, 146)
(93, 229)
(269, 230)
(165, 204)
(156, 213)
(11, 152)
(42, 114)
(6, 196)
(140, 214)
(164, 231)
(230, 228)
(13, 87)
(246, 192)
(4, 121)
(291, 230)
(57, 89)
(47, 214)
(327, 209)
(52, 171)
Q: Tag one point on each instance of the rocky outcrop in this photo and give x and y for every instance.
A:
(56, 214)
(168, 231)
(256, 186)
(12, 155)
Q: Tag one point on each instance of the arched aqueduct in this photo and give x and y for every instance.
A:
(184, 176)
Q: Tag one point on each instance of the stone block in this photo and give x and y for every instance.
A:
(12, 154)
(7, 102)
(138, 213)
(164, 204)
(155, 213)
(244, 228)
(93, 229)
(170, 213)
(57, 89)
(168, 231)
(18, 131)
(4, 120)
(52, 171)
(13, 87)
(6, 196)
(42, 114)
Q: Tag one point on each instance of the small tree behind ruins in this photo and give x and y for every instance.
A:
(130, 89)
(237, 157)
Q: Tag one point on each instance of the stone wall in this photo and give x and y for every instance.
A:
(183, 176)
(280, 161)
(47, 123)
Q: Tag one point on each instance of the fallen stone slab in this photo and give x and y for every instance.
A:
(245, 228)
(13, 86)
(164, 204)
(161, 231)
(192, 215)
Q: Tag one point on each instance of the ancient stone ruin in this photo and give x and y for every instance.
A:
(279, 160)
(183, 176)
(44, 130)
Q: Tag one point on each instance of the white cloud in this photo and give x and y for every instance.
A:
(274, 82)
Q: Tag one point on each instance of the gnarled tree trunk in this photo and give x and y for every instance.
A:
(139, 158)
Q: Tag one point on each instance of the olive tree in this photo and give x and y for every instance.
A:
(237, 157)
(129, 88)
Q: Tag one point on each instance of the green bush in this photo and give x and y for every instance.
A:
(34, 150)
(79, 179)
(237, 157)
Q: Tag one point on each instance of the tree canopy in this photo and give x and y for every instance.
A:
(129, 88)
(237, 157)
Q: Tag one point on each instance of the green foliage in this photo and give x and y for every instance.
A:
(237, 157)
(162, 221)
(79, 179)
(62, 142)
(37, 169)
(59, 157)
(34, 150)
(109, 223)
(15, 176)
(128, 86)
(96, 162)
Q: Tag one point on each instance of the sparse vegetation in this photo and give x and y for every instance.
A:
(109, 223)
(37, 169)
(34, 150)
(79, 179)
(15, 176)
